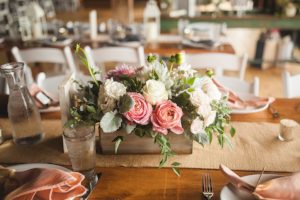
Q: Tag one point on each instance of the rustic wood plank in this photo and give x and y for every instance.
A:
(142, 145)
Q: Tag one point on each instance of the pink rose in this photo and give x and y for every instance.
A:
(123, 70)
(141, 111)
(167, 115)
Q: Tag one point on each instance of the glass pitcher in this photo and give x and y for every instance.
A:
(22, 111)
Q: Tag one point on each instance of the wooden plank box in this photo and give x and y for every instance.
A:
(134, 144)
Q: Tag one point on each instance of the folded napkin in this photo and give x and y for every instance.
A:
(35, 89)
(236, 102)
(283, 188)
(46, 184)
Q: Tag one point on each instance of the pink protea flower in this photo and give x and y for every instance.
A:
(141, 111)
(122, 70)
(167, 115)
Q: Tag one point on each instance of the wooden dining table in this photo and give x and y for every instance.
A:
(124, 183)
(120, 183)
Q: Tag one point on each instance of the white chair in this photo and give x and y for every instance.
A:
(239, 86)
(219, 62)
(45, 55)
(291, 85)
(101, 55)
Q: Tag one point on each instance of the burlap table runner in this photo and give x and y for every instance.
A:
(255, 146)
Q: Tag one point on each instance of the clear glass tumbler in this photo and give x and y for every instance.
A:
(80, 142)
(22, 111)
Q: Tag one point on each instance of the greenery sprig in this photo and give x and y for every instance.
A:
(83, 58)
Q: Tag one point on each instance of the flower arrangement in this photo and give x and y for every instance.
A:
(154, 101)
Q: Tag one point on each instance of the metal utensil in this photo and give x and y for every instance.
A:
(262, 172)
(207, 187)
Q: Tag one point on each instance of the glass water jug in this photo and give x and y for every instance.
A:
(22, 111)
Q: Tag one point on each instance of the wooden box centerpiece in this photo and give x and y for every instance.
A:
(160, 108)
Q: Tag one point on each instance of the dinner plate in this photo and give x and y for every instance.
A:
(23, 167)
(230, 193)
(248, 110)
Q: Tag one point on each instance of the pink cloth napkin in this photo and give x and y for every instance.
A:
(46, 184)
(283, 188)
(236, 102)
(34, 89)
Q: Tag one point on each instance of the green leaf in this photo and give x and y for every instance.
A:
(221, 140)
(190, 81)
(125, 103)
(232, 131)
(176, 164)
(117, 141)
(183, 99)
(203, 138)
(210, 136)
(70, 123)
(110, 122)
(129, 128)
(228, 142)
(83, 58)
(91, 109)
(176, 171)
(139, 132)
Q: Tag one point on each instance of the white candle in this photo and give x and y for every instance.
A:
(93, 24)
(151, 31)
(287, 129)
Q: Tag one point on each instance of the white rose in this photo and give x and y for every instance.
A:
(210, 118)
(207, 85)
(105, 102)
(204, 110)
(114, 89)
(198, 97)
(197, 126)
(155, 91)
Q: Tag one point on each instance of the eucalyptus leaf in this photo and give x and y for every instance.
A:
(176, 164)
(232, 131)
(129, 128)
(125, 103)
(203, 138)
(110, 122)
(210, 136)
(176, 171)
(228, 141)
(221, 140)
(117, 141)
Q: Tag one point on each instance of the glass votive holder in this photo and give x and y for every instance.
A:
(80, 142)
(287, 129)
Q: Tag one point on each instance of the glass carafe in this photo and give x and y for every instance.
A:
(22, 111)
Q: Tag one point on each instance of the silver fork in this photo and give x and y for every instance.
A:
(207, 187)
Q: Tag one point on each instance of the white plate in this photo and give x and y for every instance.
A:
(230, 193)
(23, 167)
(249, 110)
